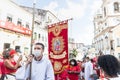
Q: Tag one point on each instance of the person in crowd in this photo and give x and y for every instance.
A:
(82, 73)
(9, 66)
(1, 62)
(95, 76)
(64, 74)
(73, 70)
(110, 66)
(80, 66)
(41, 67)
(18, 53)
(88, 69)
(20, 73)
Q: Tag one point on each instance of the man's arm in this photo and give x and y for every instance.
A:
(49, 72)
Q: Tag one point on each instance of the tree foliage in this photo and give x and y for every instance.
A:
(75, 52)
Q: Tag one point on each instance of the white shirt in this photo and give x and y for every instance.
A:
(41, 70)
(88, 70)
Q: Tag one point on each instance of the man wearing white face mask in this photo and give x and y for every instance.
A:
(41, 67)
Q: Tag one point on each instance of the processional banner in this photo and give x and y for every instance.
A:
(58, 45)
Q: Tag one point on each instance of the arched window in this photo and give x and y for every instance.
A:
(116, 6)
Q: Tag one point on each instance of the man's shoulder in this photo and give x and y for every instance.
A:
(46, 59)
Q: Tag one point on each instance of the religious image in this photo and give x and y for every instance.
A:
(57, 45)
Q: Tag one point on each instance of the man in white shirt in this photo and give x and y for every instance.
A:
(88, 69)
(41, 67)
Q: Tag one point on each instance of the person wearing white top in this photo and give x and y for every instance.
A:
(41, 67)
(88, 69)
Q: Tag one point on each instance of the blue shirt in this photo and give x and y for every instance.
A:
(41, 70)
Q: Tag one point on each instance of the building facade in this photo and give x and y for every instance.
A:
(43, 18)
(15, 27)
(105, 20)
(79, 47)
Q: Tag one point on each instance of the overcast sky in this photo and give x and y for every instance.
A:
(82, 12)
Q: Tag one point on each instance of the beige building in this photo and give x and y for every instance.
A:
(106, 20)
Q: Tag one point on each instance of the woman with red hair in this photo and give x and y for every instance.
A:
(9, 64)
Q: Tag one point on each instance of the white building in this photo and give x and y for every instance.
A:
(42, 19)
(17, 34)
(105, 20)
(15, 25)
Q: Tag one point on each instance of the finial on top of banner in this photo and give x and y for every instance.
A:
(60, 23)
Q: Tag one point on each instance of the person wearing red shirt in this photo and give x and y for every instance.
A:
(9, 66)
(73, 70)
(1, 63)
(64, 74)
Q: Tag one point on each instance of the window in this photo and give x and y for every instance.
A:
(107, 42)
(49, 20)
(35, 35)
(6, 45)
(116, 6)
(100, 16)
(38, 36)
(118, 42)
(37, 24)
(42, 38)
(104, 11)
(27, 25)
(17, 48)
(19, 22)
(105, 24)
(111, 44)
(9, 18)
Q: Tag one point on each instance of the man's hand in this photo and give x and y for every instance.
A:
(29, 59)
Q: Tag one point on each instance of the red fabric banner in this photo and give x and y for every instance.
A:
(58, 45)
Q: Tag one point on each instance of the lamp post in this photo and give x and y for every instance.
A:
(31, 47)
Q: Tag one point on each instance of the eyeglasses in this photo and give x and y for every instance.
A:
(37, 48)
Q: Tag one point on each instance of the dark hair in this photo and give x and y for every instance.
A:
(109, 64)
(75, 62)
(41, 45)
(87, 58)
(92, 60)
(6, 53)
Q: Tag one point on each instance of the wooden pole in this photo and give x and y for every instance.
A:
(31, 47)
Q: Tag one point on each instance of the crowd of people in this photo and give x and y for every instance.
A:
(14, 66)
(104, 67)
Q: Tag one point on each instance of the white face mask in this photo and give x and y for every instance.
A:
(72, 63)
(37, 53)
